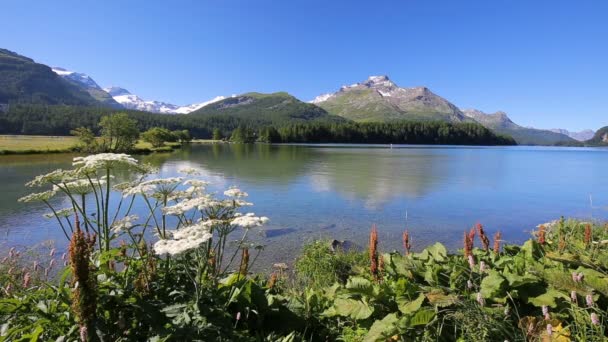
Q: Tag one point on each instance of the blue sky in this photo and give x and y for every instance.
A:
(543, 62)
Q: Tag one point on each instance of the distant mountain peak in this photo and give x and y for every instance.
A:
(116, 91)
(583, 135)
(80, 78)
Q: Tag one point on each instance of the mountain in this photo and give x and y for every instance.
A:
(131, 101)
(500, 123)
(583, 135)
(380, 99)
(600, 137)
(22, 80)
(272, 108)
(88, 84)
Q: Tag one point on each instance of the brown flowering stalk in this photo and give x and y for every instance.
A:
(485, 242)
(468, 245)
(562, 243)
(587, 234)
(373, 251)
(244, 262)
(84, 301)
(497, 237)
(273, 280)
(541, 234)
(144, 278)
(406, 242)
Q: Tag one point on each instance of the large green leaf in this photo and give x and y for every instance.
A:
(492, 285)
(548, 298)
(438, 252)
(422, 317)
(355, 309)
(359, 285)
(382, 329)
(408, 307)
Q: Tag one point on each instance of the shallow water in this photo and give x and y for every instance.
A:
(339, 191)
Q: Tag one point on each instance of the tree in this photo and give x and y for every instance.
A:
(243, 135)
(157, 136)
(217, 134)
(86, 138)
(182, 136)
(119, 132)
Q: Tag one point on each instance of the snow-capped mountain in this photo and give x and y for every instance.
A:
(86, 83)
(132, 101)
(80, 78)
(583, 135)
(380, 99)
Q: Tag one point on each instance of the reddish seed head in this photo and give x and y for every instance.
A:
(587, 234)
(406, 242)
(373, 251)
(485, 242)
(541, 235)
(468, 245)
(497, 237)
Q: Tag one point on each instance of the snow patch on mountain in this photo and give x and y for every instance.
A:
(131, 101)
(80, 78)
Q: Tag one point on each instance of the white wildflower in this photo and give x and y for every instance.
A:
(57, 176)
(65, 212)
(185, 206)
(37, 196)
(190, 171)
(235, 192)
(163, 181)
(79, 186)
(249, 220)
(124, 224)
(184, 239)
(139, 189)
(103, 161)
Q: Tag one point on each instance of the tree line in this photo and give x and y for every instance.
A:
(62, 120)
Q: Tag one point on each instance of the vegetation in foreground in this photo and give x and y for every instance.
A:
(191, 279)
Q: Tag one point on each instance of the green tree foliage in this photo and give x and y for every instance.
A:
(86, 137)
(157, 136)
(119, 132)
(217, 134)
(243, 135)
(183, 136)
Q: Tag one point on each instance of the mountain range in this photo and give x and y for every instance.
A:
(377, 99)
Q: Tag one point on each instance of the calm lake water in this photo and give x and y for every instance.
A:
(338, 191)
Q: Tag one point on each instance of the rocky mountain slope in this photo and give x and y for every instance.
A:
(499, 122)
(583, 135)
(380, 99)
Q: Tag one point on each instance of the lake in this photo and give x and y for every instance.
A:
(339, 191)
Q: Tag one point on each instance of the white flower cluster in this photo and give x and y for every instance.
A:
(138, 189)
(185, 239)
(124, 224)
(65, 212)
(249, 220)
(190, 171)
(57, 176)
(104, 160)
(79, 186)
(235, 192)
(200, 203)
(38, 196)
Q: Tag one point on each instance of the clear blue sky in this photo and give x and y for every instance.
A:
(543, 62)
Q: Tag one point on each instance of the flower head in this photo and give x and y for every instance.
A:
(184, 239)
(38, 196)
(104, 161)
(249, 220)
(235, 192)
(124, 224)
(595, 320)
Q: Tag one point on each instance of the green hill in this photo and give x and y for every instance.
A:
(24, 81)
(600, 138)
(274, 108)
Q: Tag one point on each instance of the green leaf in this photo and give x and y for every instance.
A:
(355, 309)
(548, 298)
(438, 251)
(382, 329)
(516, 280)
(411, 306)
(492, 285)
(422, 317)
(359, 285)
